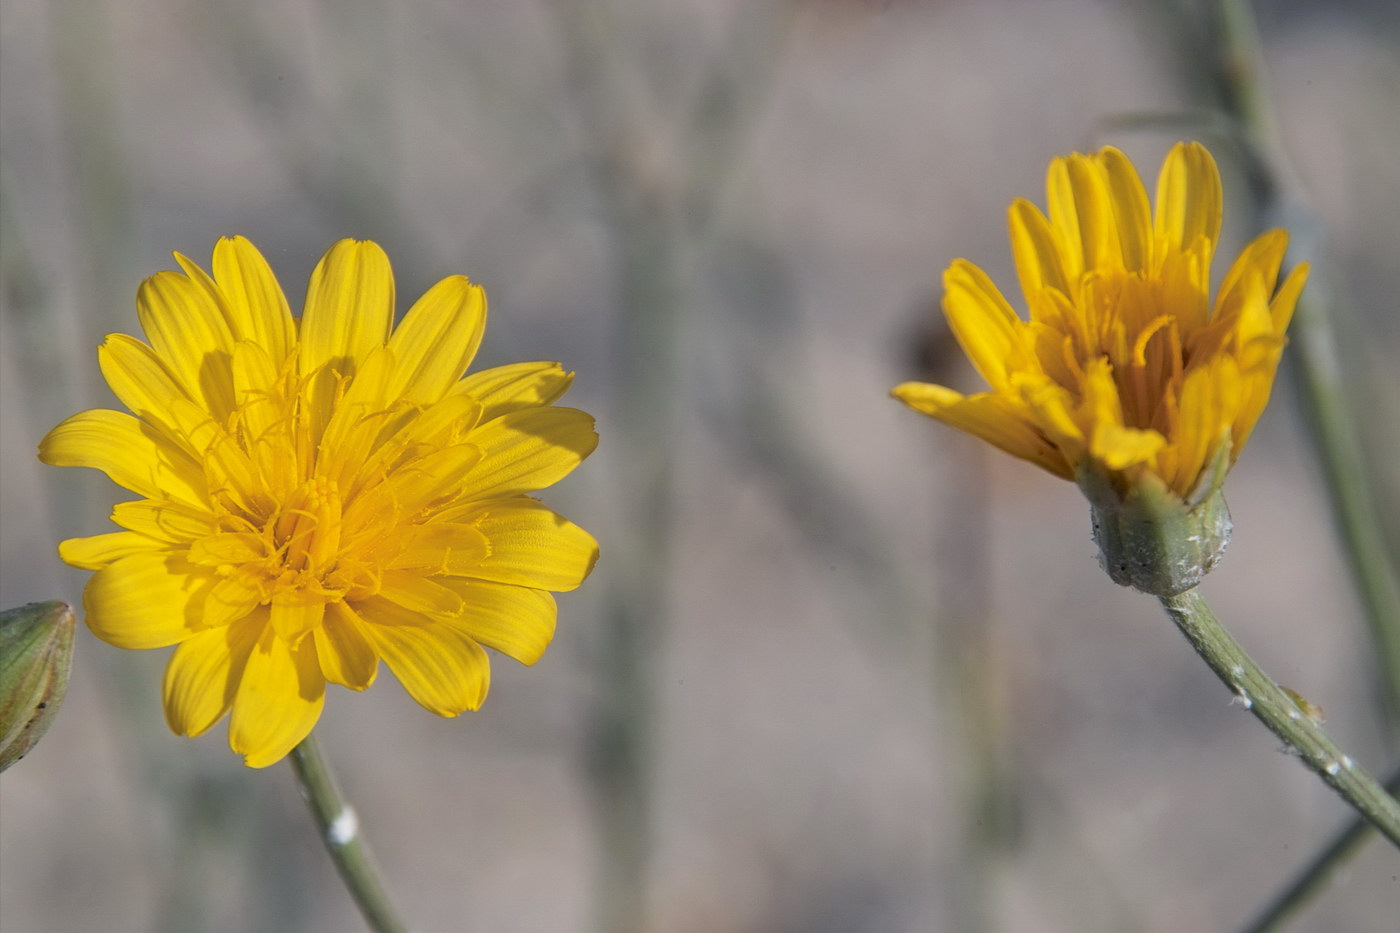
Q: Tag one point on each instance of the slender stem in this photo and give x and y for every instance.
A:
(1327, 409)
(340, 833)
(1301, 736)
(1318, 871)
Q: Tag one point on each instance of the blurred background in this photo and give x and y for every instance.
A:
(840, 668)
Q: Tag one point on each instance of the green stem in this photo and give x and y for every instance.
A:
(1327, 409)
(1318, 871)
(340, 834)
(1277, 710)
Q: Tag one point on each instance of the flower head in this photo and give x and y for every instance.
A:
(1126, 378)
(322, 494)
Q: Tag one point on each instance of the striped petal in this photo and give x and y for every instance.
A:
(137, 375)
(164, 519)
(203, 675)
(98, 551)
(516, 386)
(345, 652)
(437, 340)
(442, 668)
(514, 620)
(989, 417)
(257, 307)
(531, 545)
(131, 456)
(349, 307)
(189, 332)
(528, 450)
(1131, 212)
(983, 323)
(147, 600)
(279, 699)
(1189, 200)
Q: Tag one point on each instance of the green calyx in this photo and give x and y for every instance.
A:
(36, 653)
(1151, 539)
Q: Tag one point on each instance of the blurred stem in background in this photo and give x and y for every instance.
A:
(1315, 876)
(967, 669)
(57, 324)
(656, 222)
(1243, 95)
(638, 217)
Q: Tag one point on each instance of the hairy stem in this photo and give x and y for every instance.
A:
(340, 833)
(1277, 710)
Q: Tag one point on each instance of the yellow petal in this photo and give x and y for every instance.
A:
(1080, 203)
(1036, 250)
(529, 449)
(983, 323)
(164, 519)
(990, 417)
(346, 654)
(428, 479)
(514, 620)
(98, 551)
(1281, 308)
(1210, 397)
(418, 594)
(295, 612)
(202, 677)
(229, 600)
(223, 459)
(364, 443)
(440, 666)
(137, 376)
(518, 385)
(1118, 448)
(1188, 200)
(1262, 258)
(440, 547)
(190, 334)
(531, 545)
(349, 307)
(1053, 409)
(437, 339)
(256, 305)
(133, 457)
(229, 547)
(279, 699)
(1132, 214)
(147, 600)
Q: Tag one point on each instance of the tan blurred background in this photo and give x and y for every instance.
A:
(839, 669)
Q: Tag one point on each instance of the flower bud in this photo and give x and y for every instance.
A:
(36, 652)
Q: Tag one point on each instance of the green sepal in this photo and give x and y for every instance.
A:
(36, 654)
(1152, 540)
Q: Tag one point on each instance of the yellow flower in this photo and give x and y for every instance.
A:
(1124, 368)
(320, 494)
(1126, 378)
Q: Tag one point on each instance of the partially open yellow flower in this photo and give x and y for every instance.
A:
(1126, 378)
(321, 494)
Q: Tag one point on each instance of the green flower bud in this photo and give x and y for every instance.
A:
(36, 652)
(1151, 539)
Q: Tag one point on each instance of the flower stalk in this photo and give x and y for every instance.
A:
(340, 834)
(1272, 706)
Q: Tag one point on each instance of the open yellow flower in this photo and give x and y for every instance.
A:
(1125, 378)
(321, 494)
